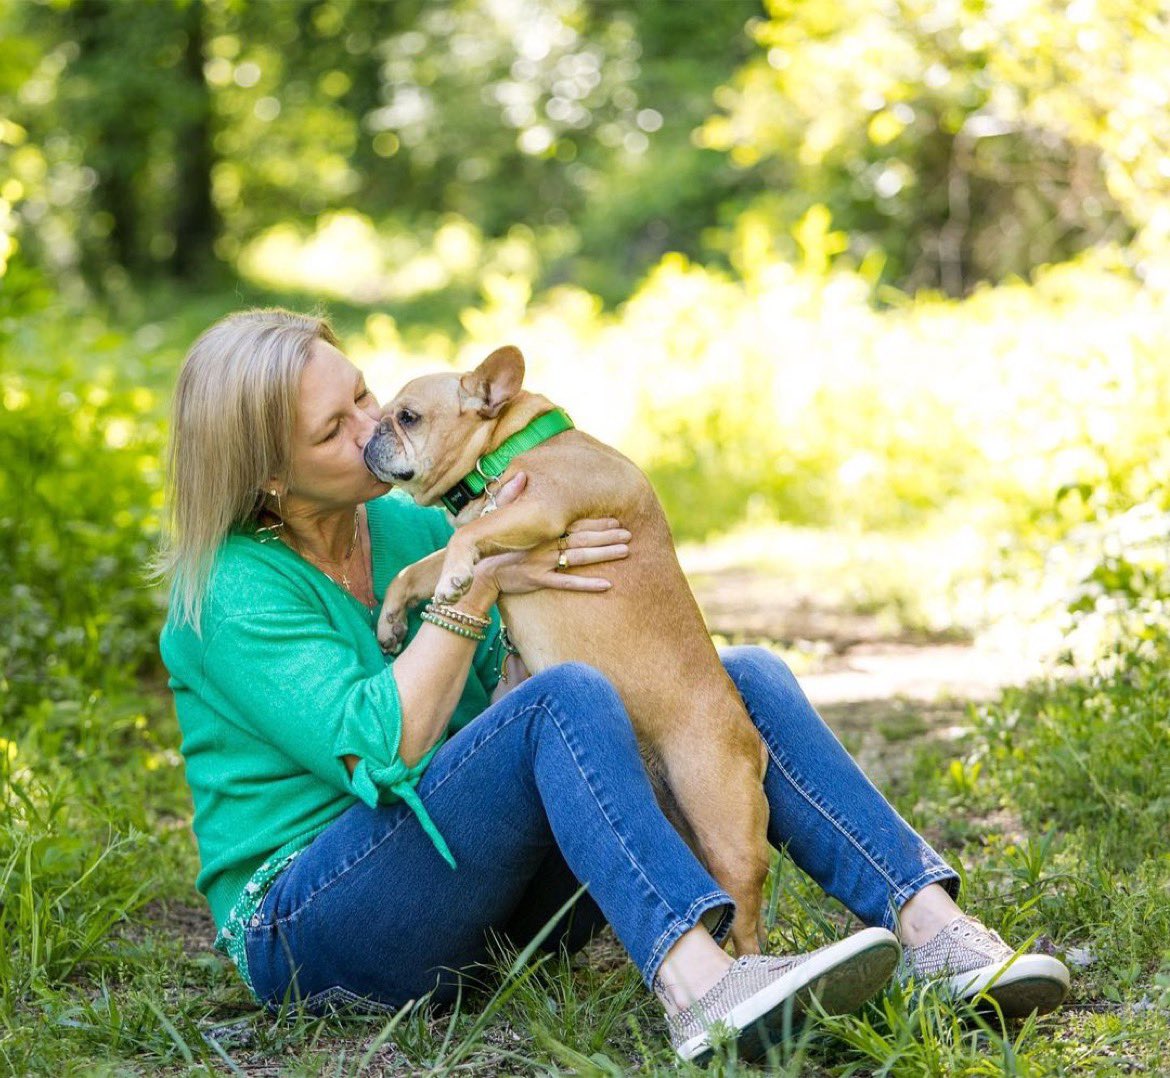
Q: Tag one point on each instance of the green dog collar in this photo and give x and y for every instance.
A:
(492, 465)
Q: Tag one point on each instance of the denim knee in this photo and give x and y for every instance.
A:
(760, 676)
(580, 691)
(746, 661)
(582, 695)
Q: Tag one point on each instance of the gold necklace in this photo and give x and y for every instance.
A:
(343, 564)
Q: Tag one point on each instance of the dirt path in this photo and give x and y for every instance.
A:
(876, 685)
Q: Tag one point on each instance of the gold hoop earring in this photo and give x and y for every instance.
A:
(270, 532)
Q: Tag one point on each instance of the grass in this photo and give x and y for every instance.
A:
(1054, 804)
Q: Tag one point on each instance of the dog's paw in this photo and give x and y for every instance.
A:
(453, 586)
(392, 629)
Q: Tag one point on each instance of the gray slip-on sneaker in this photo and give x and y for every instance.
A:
(761, 995)
(975, 964)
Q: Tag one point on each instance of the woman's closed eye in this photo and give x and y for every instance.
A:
(337, 426)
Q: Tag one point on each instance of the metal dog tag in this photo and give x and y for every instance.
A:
(489, 505)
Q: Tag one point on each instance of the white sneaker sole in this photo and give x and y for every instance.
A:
(1032, 983)
(841, 978)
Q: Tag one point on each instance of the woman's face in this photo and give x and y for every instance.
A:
(336, 414)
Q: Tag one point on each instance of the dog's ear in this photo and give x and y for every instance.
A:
(493, 383)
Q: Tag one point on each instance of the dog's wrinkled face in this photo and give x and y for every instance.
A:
(436, 428)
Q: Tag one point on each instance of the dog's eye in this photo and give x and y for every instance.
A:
(406, 417)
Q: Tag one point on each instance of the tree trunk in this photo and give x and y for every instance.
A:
(196, 222)
(111, 151)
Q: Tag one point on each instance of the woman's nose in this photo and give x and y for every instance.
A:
(367, 424)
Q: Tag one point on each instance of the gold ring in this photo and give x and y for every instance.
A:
(562, 562)
(563, 543)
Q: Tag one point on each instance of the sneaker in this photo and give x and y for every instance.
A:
(973, 961)
(760, 995)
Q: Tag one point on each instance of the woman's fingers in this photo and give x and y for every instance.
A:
(568, 582)
(594, 554)
(594, 538)
(604, 524)
(574, 559)
(512, 489)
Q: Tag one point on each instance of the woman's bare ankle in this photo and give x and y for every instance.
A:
(691, 968)
(926, 914)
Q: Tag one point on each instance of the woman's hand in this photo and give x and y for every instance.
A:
(587, 542)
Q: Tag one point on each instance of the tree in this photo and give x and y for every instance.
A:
(196, 218)
(956, 142)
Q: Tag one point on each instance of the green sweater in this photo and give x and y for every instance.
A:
(284, 680)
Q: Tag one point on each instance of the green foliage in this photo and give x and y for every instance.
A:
(67, 873)
(80, 756)
(79, 503)
(944, 146)
(1059, 802)
(156, 139)
(958, 143)
(1091, 758)
(694, 277)
(787, 397)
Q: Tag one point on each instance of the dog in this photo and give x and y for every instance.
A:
(645, 634)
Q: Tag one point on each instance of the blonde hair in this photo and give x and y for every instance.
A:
(231, 434)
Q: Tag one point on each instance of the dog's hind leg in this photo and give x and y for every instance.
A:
(715, 771)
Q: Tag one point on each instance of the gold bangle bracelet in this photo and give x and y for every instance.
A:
(452, 613)
(451, 627)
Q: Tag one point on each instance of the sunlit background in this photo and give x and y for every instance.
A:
(876, 291)
(891, 269)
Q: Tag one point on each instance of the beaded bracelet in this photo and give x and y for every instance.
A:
(454, 614)
(451, 627)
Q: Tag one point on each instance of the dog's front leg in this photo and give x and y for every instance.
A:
(413, 584)
(512, 527)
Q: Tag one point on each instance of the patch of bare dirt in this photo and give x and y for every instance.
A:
(884, 689)
(741, 602)
(860, 657)
(189, 923)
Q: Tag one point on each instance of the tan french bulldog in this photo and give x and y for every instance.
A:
(646, 634)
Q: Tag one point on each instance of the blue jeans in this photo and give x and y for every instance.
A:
(544, 789)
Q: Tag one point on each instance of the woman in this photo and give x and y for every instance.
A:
(364, 825)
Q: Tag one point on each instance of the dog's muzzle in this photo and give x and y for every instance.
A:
(379, 457)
